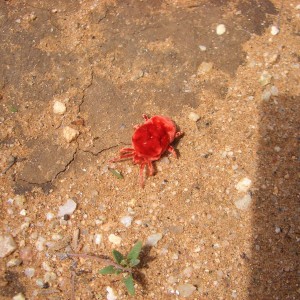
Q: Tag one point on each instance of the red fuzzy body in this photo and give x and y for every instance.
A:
(150, 140)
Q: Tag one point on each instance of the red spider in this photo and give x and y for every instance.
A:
(150, 140)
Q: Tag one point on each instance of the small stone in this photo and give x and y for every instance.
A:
(29, 272)
(114, 239)
(19, 296)
(46, 266)
(98, 238)
(202, 48)
(243, 203)
(40, 243)
(7, 245)
(20, 200)
(153, 239)
(194, 117)
(186, 289)
(277, 148)
(70, 134)
(49, 216)
(274, 90)
(59, 108)
(274, 30)
(23, 212)
(244, 185)
(26, 253)
(265, 78)
(40, 282)
(14, 262)
(110, 294)
(67, 209)
(277, 229)
(126, 221)
(187, 272)
(220, 29)
(204, 68)
(165, 160)
(56, 236)
(50, 276)
(266, 95)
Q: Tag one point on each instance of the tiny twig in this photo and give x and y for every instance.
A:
(13, 160)
(103, 259)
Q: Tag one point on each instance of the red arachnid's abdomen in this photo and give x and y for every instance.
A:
(150, 141)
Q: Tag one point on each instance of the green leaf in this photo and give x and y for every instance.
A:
(116, 173)
(118, 257)
(109, 270)
(13, 109)
(135, 251)
(128, 281)
(134, 262)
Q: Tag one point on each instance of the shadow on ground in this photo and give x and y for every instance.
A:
(276, 223)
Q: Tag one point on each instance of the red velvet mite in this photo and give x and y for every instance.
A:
(149, 142)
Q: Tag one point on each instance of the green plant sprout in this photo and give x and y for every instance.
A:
(125, 265)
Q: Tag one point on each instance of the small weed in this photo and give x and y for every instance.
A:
(125, 265)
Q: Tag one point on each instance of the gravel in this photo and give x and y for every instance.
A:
(59, 108)
(7, 245)
(153, 239)
(194, 117)
(70, 134)
(244, 185)
(244, 202)
(186, 289)
(67, 209)
(126, 221)
(220, 29)
(114, 239)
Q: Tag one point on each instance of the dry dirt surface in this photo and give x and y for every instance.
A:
(76, 76)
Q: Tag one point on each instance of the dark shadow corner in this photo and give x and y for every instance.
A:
(276, 217)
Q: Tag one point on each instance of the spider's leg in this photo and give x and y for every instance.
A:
(126, 150)
(150, 167)
(178, 133)
(146, 118)
(122, 157)
(172, 150)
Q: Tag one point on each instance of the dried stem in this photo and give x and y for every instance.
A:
(104, 259)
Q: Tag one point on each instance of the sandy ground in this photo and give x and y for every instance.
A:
(105, 63)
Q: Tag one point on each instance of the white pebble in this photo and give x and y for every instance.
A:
(277, 148)
(29, 272)
(40, 282)
(274, 30)
(265, 78)
(243, 203)
(110, 294)
(46, 266)
(50, 276)
(59, 108)
(23, 212)
(277, 229)
(67, 209)
(153, 239)
(187, 272)
(266, 95)
(194, 117)
(7, 245)
(19, 296)
(49, 216)
(14, 262)
(244, 184)
(98, 238)
(204, 68)
(220, 29)
(202, 48)
(56, 236)
(274, 90)
(126, 221)
(186, 289)
(40, 243)
(114, 239)
(70, 134)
